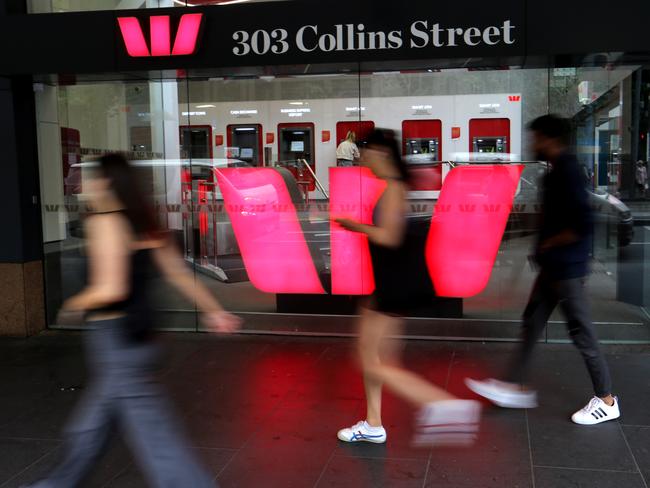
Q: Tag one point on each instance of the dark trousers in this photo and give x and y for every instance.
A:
(122, 396)
(571, 297)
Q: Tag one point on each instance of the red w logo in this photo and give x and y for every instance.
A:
(160, 35)
(464, 237)
(514, 98)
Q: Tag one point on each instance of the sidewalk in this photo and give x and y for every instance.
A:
(263, 412)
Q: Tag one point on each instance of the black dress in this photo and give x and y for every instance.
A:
(402, 280)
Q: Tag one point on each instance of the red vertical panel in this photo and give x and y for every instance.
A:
(187, 35)
(160, 35)
(133, 37)
(468, 224)
(268, 232)
(353, 194)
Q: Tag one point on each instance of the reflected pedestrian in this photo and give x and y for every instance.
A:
(562, 254)
(442, 418)
(641, 178)
(125, 251)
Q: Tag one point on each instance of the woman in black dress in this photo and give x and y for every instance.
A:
(401, 284)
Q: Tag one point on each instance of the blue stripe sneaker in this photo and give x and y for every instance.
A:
(363, 432)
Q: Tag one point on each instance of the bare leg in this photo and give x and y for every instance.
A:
(379, 364)
(369, 347)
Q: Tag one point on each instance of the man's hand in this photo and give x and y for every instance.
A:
(221, 322)
(564, 238)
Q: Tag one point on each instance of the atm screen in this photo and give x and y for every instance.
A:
(246, 153)
(297, 146)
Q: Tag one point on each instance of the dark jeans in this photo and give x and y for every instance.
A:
(570, 295)
(123, 396)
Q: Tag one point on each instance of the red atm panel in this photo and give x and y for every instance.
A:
(362, 128)
(422, 129)
(489, 135)
(422, 143)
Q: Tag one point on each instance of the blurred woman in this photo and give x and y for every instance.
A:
(401, 284)
(124, 247)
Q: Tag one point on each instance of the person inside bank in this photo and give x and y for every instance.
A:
(347, 152)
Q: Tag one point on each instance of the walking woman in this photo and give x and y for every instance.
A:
(397, 268)
(124, 247)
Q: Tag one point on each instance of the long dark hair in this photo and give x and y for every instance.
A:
(125, 183)
(386, 139)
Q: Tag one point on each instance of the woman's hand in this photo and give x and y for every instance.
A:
(70, 317)
(349, 224)
(221, 322)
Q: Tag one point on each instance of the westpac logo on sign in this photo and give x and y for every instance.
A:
(463, 241)
(160, 36)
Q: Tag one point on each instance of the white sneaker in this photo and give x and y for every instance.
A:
(596, 412)
(448, 423)
(503, 394)
(363, 432)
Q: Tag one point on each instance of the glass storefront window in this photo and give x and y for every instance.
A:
(243, 169)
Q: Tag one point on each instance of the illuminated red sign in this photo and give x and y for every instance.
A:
(160, 36)
(514, 98)
(266, 225)
(466, 229)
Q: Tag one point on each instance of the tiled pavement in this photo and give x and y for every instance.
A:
(263, 411)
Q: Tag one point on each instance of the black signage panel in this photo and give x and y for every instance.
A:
(305, 32)
(588, 27)
(313, 32)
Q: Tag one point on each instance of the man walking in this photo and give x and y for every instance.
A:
(562, 255)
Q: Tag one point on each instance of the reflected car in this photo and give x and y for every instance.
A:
(200, 169)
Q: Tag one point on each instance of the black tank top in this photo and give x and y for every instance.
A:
(140, 274)
(137, 305)
(400, 272)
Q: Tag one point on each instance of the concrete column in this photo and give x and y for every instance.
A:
(21, 270)
(165, 139)
(50, 162)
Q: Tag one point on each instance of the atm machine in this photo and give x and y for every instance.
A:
(196, 141)
(295, 143)
(361, 128)
(489, 138)
(422, 150)
(245, 143)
